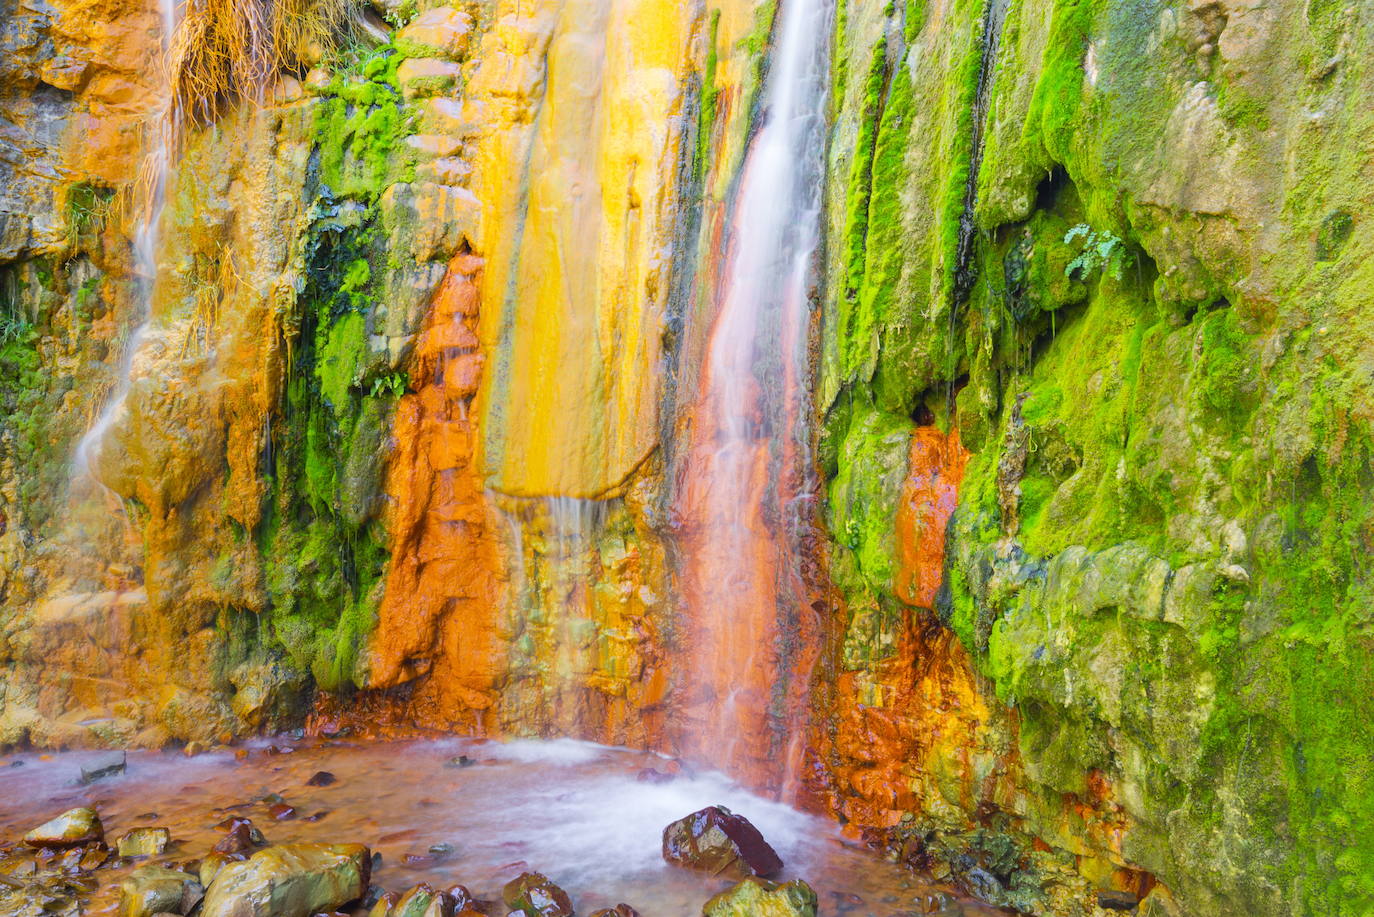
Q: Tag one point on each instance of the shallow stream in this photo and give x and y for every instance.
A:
(575, 811)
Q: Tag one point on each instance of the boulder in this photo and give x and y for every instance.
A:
(291, 880)
(152, 890)
(717, 841)
(144, 842)
(71, 828)
(534, 895)
(756, 897)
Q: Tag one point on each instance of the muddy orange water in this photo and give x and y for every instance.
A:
(575, 811)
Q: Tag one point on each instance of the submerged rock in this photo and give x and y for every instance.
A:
(71, 828)
(105, 766)
(142, 842)
(756, 897)
(534, 895)
(717, 841)
(291, 880)
(152, 890)
(620, 910)
(322, 778)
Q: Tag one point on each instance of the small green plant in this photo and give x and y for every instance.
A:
(1101, 250)
(393, 384)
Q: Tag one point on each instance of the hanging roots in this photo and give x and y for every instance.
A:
(229, 49)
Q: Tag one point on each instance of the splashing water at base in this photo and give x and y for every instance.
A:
(572, 810)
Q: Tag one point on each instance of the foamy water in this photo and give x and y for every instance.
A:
(573, 810)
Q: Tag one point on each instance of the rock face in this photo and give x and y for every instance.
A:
(716, 841)
(70, 829)
(760, 898)
(290, 880)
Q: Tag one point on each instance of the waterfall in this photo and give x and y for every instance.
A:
(153, 178)
(748, 495)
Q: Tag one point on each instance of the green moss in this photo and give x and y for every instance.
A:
(706, 113)
(360, 126)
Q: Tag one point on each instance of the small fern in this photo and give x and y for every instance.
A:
(1101, 251)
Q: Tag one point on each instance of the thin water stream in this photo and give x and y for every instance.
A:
(575, 811)
(161, 140)
(749, 493)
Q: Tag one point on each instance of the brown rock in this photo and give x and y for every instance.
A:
(716, 841)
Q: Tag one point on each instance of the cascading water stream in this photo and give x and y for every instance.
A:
(748, 492)
(153, 178)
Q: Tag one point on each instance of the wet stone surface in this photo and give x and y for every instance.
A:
(575, 813)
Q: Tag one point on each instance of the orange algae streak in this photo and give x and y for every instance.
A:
(917, 714)
(935, 469)
(438, 618)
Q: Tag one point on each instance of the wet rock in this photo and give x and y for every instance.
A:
(152, 890)
(322, 778)
(290, 880)
(282, 811)
(213, 863)
(424, 901)
(110, 765)
(93, 857)
(1117, 901)
(620, 910)
(716, 841)
(384, 905)
(71, 828)
(983, 884)
(534, 895)
(649, 775)
(755, 897)
(144, 842)
(459, 761)
(240, 836)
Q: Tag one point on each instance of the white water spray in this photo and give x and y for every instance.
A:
(751, 483)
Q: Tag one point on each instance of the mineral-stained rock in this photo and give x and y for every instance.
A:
(153, 889)
(290, 880)
(73, 827)
(144, 842)
(756, 897)
(534, 895)
(717, 841)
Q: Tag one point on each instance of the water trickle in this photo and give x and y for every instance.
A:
(964, 273)
(162, 132)
(748, 494)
